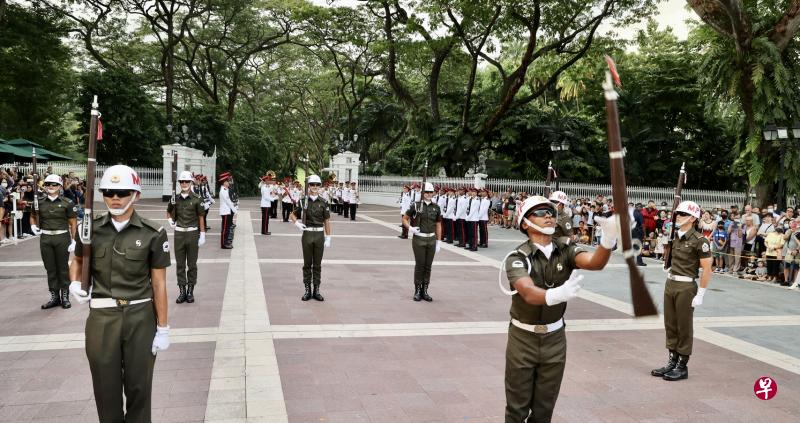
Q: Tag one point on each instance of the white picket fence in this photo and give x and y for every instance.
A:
(152, 177)
(706, 198)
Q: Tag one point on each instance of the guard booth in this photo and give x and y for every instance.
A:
(345, 166)
(190, 159)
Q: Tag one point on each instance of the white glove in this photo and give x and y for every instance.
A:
(172, 223)
(81, 296)
(610, 231)
(300, 225)
(35, 229)
(161, 340)
(327, 241)
(202, 239)
(438, 245)
(71, 248)
(698, 299)
(564, 292)
(414, 229)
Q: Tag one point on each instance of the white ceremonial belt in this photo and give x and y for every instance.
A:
(114, 302)
(539, 329)
(59, 232)
(424, 235)
(319, 229)
(679, 278)
(190, 229)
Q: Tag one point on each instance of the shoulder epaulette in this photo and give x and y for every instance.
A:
(153, 225)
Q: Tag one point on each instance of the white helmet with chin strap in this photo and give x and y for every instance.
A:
(186, 176)
(123, 178)
(689, 207)
(529, 204)
(53, 179)
(314, 179)
(560, 197)
(428, 187)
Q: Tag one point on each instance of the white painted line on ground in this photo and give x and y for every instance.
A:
(747, 349)
(373, 262)
(39, 263)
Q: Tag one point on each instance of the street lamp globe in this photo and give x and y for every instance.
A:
(555, 146)
(169, 128)
(355, 137)
(783, 133)
(565, 145)
(770, 132)
(796, 130)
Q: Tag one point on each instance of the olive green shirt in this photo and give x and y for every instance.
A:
(186, 211)
(121, 261)
(546, 273)
(318, 212)
(563, 226)
(687, 252)
(427, 217)
(54, 215)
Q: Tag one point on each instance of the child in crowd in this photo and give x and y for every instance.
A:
(661, 240)
(761, 271)
(750, 270)
(647, 244)
(719, 243)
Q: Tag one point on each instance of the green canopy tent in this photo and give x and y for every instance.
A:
(11, 153)
(24, 146)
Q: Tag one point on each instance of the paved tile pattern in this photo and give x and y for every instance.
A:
(250, 351)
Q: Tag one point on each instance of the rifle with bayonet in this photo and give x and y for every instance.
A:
(35, 187)
(305, 194)
(551, 174)
(675, 201)
(85, 231)
(174, 176)
(642, 302)
(418, 205)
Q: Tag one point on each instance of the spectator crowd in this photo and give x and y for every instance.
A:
(749, 243)
(16, 193)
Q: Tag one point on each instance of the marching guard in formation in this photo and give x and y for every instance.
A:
(354, 197)
(56, 222)
(690, 251)
(201, 189)
(187, 218)
(405, 204)
(312, 217)
(227, 210)
(471, 220)
(564, 224)
(267, 199)
(427, 233)
(483, 216)
(461, 215)
(448, 219)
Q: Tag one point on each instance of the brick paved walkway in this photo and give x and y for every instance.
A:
(250, 351)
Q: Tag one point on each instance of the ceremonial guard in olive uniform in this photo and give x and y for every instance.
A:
(564, 226)
(127, 323)
(227, 210)
(690, 251)
(57, 220)
(541, 272)
(187, 218)
(427, 232)
(316, 236)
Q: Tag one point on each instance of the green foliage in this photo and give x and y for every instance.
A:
(35, 77)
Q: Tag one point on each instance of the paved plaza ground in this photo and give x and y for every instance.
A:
(250, 351)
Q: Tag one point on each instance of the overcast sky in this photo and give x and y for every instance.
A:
(671, 13)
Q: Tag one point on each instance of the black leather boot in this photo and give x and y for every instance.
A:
(307, 295)
(681, 371)
(417, 292)
(190, 294)
(65, 299)
(182, 296)
(317, 296)
(424, 292)
(673, 361)
(54, 300)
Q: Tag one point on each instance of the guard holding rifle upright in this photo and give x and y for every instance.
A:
(187, 218)
(127, 323)
(690, 250)
(542, 272)
(227, 209)
(315, 214)
(56, 221)
(427, 233)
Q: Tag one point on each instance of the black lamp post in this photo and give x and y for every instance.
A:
(774, 133)
(557, 147)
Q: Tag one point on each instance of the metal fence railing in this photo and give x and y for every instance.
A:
(706, 198)
(151, 177)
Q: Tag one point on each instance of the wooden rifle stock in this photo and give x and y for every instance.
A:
(174, 177)
(35, 187)
(549, 180)
(675, 202)
(305, 194)
(85, 231)
(642, 302)
(418, 205)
